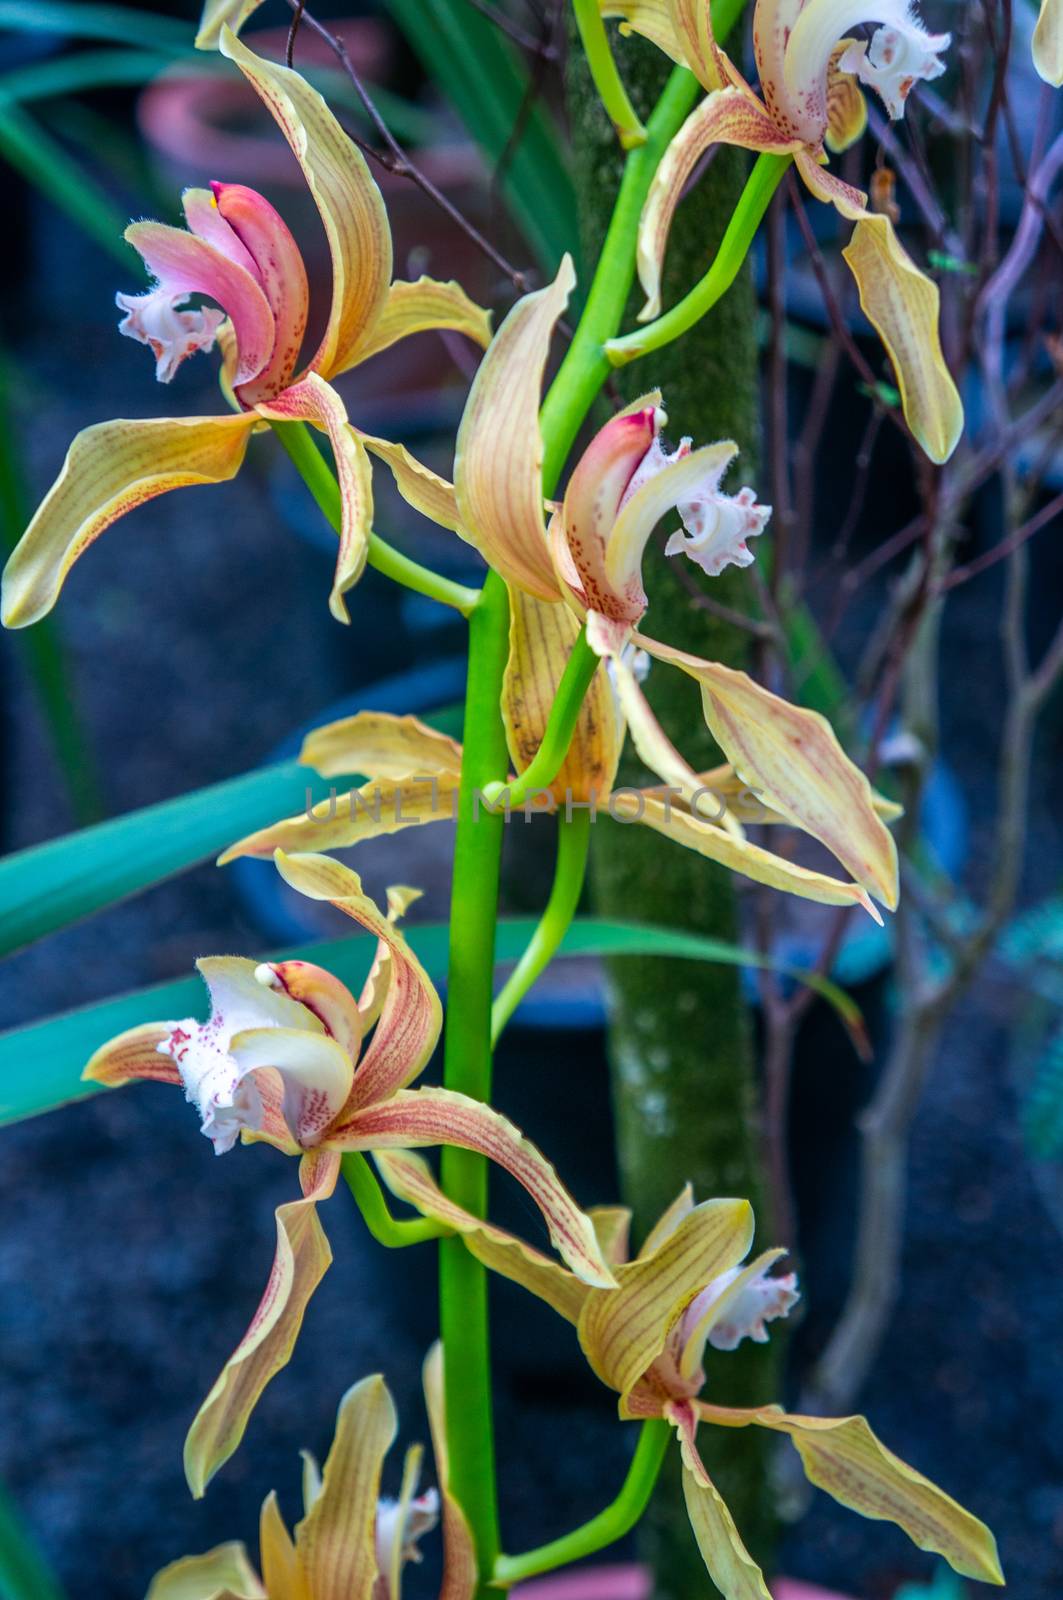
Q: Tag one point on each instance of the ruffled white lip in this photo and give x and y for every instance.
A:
(760, 1301)
(717, 527)
(154, 319)
(226, 1102)
(895, 59)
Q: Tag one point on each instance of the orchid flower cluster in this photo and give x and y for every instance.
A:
(288, 1055)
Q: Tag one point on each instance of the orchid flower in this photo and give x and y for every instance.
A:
(282, 1059)
(808, 77)
(588, 566)
(1048, 42)
(351, 1544)
(688, 1290)
(238, 253)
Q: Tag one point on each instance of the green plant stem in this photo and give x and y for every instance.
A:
(586, 367)
(545, 765)
(608, 1526)
(734, 247)
(467, 1069)
(387, 1230)
(573, 843)
(607, 79)
(321, 481)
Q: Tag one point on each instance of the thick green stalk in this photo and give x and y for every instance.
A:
(573, 844)
(321, 481)
(728, 261)
(545, 765)
(609, 1525)
(387, 1230)
(467, 1069)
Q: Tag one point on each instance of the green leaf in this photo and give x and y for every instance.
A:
(121, 24)
(43, 161)
(40, 1065)
(23, 1573)
(51, 885)
(486, 82)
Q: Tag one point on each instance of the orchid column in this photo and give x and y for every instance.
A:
(694, 1065)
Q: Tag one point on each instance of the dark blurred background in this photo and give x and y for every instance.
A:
(197, 643)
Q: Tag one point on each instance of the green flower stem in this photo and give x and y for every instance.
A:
(607, 79)
(386, 1229)
(321, 481)
(467, 1069)
(546, 763)
(573, 843)
(734, 247)
(604, 1529)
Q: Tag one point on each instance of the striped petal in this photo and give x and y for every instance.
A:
(1048, 42)
(409, 1177)
(846, 106)
(110, 469)
(498, 464)
(279, 265)
(654, 20)
(411, 1018)
(349, 202)
(735, 853)
(315, 401)
(420, 307)
(315, 1072)
(224, 1573)
(336, 1540)
(219, 14)
(602, 477)
(302, 1258)
(727, 1561)
(376, 809)
(792, 759)
(843, 1456)
(541, 637)
(416, 1118)
(459, 1552)
(322, 993)
(184, 264)
(131, 1055)
(903, 305)
(623, 1333)
(380, 745)
(419, 486)
(727, 116)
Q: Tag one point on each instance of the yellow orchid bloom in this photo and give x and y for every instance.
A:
(688, 1289)
(351, 1544)
(1048, 42)
(808, 78)
(282, 1059)
(237, 252)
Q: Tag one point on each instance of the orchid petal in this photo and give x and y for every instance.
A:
(652, 744)
(903, 305)
(203, 218)
(302, 1258)
(668, 1221)
(727, 116)
(420, 307)
(110, 469)
(792, 759)
(1048, 42)
(541, 637)
(846, 106)
(773, 22)
(623, 1333)
(277, 1555)
(419, 486)
(409, 1177)
(336, 1540)
(747, 806)
(380, 745)
(459, 1552)
(315, 401)
(349, 202)
(901, 53)
(220, 14)
(727, 1561)
(400, 898)
(592, 504)
(703, 1322)
(498, 464)
(416, 1118)
(378, 808)
(184, 264)
(612, 1227)
(734, 853)
(224, 1573)
(693, 24)
(320, 992)
(688, 476)
(133, 1054)
(655, 20)
(315, 1070)
(843, 1456)
(279, 265)
(826, 186)
(411, 1018)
